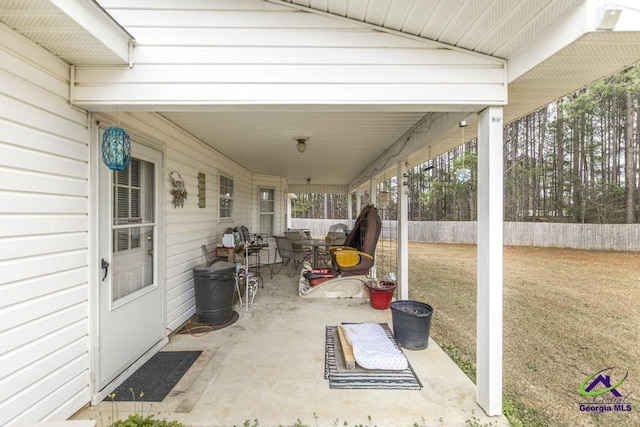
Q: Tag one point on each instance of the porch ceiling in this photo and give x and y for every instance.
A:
(551, 47)
(340, 144)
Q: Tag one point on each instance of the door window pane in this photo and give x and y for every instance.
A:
(133, 228)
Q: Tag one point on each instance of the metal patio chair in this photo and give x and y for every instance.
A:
(289, 256)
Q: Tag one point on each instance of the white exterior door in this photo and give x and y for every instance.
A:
(130, 297)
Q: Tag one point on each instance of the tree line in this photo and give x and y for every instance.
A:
(575, 160)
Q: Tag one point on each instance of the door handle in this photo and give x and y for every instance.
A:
(105, 265)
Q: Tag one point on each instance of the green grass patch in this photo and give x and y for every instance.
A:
(464, 362)
(516, 413)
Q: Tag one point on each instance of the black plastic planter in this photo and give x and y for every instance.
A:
(411, 323)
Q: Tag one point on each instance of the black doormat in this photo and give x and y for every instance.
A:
(156, 377)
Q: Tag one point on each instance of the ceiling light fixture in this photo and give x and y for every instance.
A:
(302, 144)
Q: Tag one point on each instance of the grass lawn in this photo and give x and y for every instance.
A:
(567, 315)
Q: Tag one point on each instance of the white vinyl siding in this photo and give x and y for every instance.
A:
(44, 238)
(44, 230)
(189, 227)
(44, 234)
(251, 51)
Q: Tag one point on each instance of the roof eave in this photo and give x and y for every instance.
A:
(99, 24)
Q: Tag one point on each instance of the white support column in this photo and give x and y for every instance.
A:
(350, 211)
(373, 200)
(403, 234)
(373, 193)
(289, 211)
(358, 204)
(325, 206)
(490, 248)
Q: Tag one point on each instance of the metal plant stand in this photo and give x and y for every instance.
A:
(250, 282)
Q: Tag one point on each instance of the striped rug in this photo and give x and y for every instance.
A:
(342, 378)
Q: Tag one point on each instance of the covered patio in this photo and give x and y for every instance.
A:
(219, 93)
(269, 365)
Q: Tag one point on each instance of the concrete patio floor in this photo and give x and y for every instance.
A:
(269, 366)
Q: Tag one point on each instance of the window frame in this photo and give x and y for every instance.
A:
(224, 198)
(271, 213)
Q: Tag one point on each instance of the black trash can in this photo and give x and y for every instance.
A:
(214, 285)
(411, 323)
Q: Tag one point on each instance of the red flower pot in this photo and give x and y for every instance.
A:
(380, 296)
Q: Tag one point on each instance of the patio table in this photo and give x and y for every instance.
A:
(315, 244)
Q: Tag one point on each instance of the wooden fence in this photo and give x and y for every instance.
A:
(618, 237)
